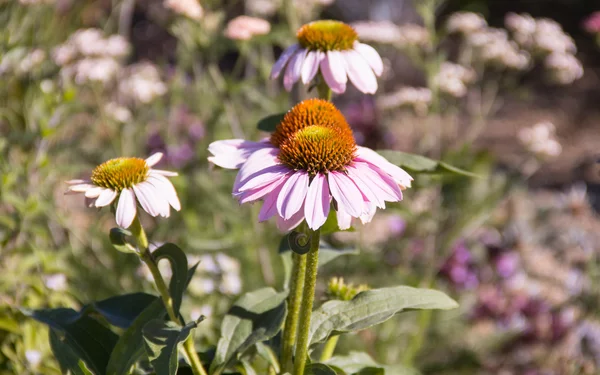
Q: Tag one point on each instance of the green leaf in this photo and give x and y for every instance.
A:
(121, 311)
(360, 363)
(269, 123)
(269, 355)
(372, 307)
(421, 164)
(66, 358)
(130, 347)
(179, 266)
(118, 238)
(89, 340)
(161, 340)
(256, 316)
(331, 224)
(318, 369)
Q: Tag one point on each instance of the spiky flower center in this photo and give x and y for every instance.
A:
(314, 137)
(121, 173)
(327, 35)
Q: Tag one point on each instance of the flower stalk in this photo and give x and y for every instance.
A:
(308, 296)
(291, 321)
(329, 348)
(146, 256)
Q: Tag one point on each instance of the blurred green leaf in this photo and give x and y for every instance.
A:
(372, 307)
(130, 347)
(360, 363)
(122, 310)
(179, 266)
(9, 324)
(331, 224)
(318, 369)
(269, 123)
(66, 358)
(89, 340)
(269, 355)
(118, 238)
(421, 164)
(255, 317)
(161, 340)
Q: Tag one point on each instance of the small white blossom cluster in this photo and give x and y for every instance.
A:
(540, 140)
(188, 8)
(215, 272)
(36, 2)
(465, 23)
(245, 27)
(413, 35)
(21, 61)
(89, 56)
(493, 47)
(418, 98)
(117, 112)
(452, 79)
(141, 83)
(262, 8)
(384, 32)
(547, 40)
(56, 282)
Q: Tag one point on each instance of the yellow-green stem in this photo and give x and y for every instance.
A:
(329, 348)
(323, 90)
(291, 321)
(308, 296)
(138, 231)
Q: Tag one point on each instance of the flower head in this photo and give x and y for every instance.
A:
(310, 164)
(130, 179)
(331, 47)
(244, 28)
(540, 139)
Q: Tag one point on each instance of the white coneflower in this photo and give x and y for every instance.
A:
(563, 68)
(188, 8)
(142, 83)
(540, 139)
(549, 37)
(131, 180)
(522, 26)
(465, 23)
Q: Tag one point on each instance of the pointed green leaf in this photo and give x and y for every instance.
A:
(372, 307)
(121, 311)
(318, 369)
(255, 317)
(130, 347)
(89, 340)
(179, 266)
(269, 355)
(421, 164)
(269, 123)
(161, 341)
(66, 358)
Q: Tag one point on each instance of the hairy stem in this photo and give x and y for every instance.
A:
(291, 321)
(308, 296)
(329, 348)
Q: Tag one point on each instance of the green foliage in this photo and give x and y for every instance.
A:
(319, 369)
(269, 123)
(161, 340)
(420, 164)
(360, 363)
(179, 267)
(372, 307)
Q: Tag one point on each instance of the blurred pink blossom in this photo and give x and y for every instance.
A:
(245, 27)
(592, 23)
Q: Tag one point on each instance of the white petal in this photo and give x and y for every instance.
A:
(311, 66)
(78, 182)
(165, 191)
(337, 66)
(126, 209)
(282, 60)
(155, 158)
(294, 69)
(144, 193)
(360, 73)
(106, 197)
(81, 188)
(164, 173)
(371, 55)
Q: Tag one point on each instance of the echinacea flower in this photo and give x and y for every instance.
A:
(331, 47)
(310, 164)
(131, 180)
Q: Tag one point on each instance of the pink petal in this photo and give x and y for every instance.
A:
(311, 66)
(233, 153)
(360, 73)
(256, 163)
(266, 177)
(372, 157)
(105, 198)
(317, 204)
(291, 223)
(294, 69)
(379, 182)
(283, 59)
(370, 54)
(258, 193)
(155, 158)
(370, 210)
(126, 209)
(346, 194)
(344, 220)
(364, 186)
(334, 72)
(269, 207)
(292, 195)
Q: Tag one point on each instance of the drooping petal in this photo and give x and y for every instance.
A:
(364, 186)
(282, 60)
(233, 153)
(292, 195)
(294, 69)
(258, 193)
(311, 66)
(360, 73)
(256, 163)
(266, 177)
(334, 72)
(165, 173)
(106, 197)
(344, 219)
(78, 182)
(94, 192)
(167, 190)
(370, 210)
(126, 209)
(372, 157)
(379, 182)
(370, 54)
(154, 158)
(160, 202)
(286, 225)
(144, 193)
(317, 203)
(81, 188)
(346, 194)
(269, 207)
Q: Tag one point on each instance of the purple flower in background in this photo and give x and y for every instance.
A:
(592, 23)
(459, 269)
(506, 264)
(396, 225)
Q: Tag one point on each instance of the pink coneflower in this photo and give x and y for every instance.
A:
(592, 23)
(331, 47)
(310, 164)
(130, 179)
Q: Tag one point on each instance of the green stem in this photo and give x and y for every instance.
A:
(323, 90)
(138, 231)
(329, 348)
(291, 321)
(308, 296)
